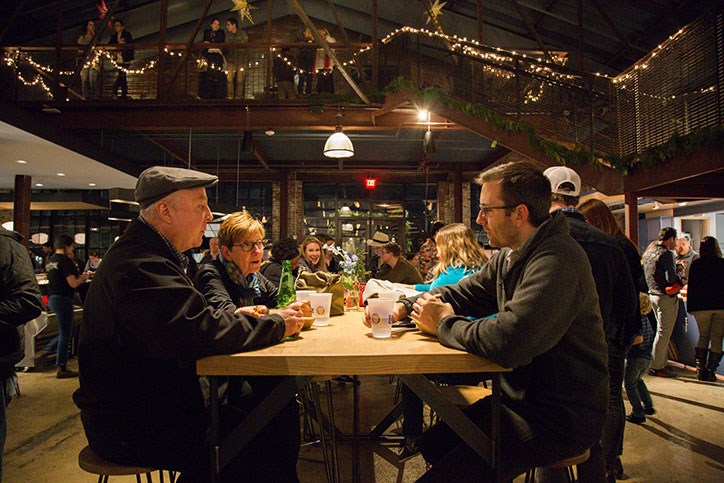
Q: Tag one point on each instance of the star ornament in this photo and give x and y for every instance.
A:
(244, 9)
(436, 9)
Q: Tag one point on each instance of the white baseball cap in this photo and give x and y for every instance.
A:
(559, 175)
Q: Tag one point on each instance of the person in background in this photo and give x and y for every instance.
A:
(283, 249)
(144, 327)
(93, 261)
(20, 302)
(312, 259)
(618, 302)
(236, 59)
(63, 279)
(664, 284)
(427, 256)
(459, 256)
(377, 241)
(213, 252)
(305, 61)
(324, 66)
(638, 361)
(89, 72)
(706, 303)
(396, 268)
(123, 57)
(212, 81)
(685, 255)
(284, 75)
(545, 316)
(47, 248)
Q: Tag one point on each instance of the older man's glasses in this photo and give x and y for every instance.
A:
(249, 246)
(485, 210)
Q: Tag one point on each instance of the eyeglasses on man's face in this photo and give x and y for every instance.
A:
(249, 246)
(485, 210)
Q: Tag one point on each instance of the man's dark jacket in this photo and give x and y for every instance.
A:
(144, 326)
(128, 54)
(617, 293)
(215, 283)
(20, 300)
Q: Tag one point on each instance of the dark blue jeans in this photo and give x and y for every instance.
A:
(63, 308)
(636, 390)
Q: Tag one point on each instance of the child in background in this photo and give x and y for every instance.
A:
(637, 364)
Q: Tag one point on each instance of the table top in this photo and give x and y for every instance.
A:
(346, 346)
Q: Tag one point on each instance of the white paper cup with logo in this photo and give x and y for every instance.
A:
(304, 294)
(321, 303)
(388, 295)
(380, 311)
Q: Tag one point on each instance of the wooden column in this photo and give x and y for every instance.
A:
(283, 205)
(375, 49)
(632, 217)
(458, 195)
(57, 91)
(21, 206)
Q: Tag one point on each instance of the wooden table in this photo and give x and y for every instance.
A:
(346, 346)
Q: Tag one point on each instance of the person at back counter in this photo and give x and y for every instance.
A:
(145, 325)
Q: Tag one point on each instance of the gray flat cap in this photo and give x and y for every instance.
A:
(159, 181)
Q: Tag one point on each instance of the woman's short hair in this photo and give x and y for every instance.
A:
(285, 249)
(62, 242)
(457, 245)
(238, 226)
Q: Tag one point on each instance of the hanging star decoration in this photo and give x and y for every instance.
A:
(434, 12)
(102, 11)
(244, 9)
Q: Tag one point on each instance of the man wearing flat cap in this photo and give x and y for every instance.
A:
(145, 325)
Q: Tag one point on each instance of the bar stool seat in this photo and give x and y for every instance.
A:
(568, 463)
(90, 462)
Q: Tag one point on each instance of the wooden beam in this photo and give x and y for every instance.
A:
(581, 56)
(632, 217)
(57, 93)
(170, 149)
(21, 206)
(676, 169)
(18, 8)
(160, 66)
(347, 43)
(612, 24)
(479, 19)
(185, 52)
(323, 43)
(375, 48)
(532, 30)
(544, 13)
(259, 154)
(682, 190)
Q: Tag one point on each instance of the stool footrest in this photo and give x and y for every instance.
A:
(90, 462)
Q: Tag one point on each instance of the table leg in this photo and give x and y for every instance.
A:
(214, 427)
(454, 417)
(386, 422)
(356, 477)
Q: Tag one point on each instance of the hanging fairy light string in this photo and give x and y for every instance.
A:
(644, 63)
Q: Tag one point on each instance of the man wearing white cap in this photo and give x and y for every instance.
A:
(618, 301)
(145, 325)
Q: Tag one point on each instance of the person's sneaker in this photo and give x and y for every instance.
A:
(665, 372)
(632, 418)
(649, 411)
(65, 374)
(409, 450)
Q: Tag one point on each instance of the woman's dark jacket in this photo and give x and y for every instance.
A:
(221, 293)
(706, 285)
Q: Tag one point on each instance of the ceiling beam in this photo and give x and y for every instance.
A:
(347, 42)
(260, 155)
(685, 191)
(532, 30)
(676, 169)
(543, 14)
(169, 148)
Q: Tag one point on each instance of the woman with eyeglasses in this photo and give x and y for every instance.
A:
(232, 280)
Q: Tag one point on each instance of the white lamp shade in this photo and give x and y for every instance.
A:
(338, 146)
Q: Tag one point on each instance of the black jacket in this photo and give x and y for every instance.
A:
(706, 285)
(144, 326)
(20, 300)
(617, 295)
(129, 54)
(221, 293)
(546, 327)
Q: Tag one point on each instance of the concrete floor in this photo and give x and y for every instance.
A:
(683, 442)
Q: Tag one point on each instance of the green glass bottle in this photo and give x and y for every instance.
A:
(287, 292)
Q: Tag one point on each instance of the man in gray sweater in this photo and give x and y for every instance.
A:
(546, 326)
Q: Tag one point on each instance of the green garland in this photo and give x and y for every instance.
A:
(709, 137)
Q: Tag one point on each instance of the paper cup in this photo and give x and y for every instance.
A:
(304, 294)
(321, 303)
(388, 295)
(381, 317)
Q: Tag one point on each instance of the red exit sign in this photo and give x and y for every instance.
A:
(370, 183)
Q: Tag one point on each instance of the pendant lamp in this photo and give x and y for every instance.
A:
(338, 145)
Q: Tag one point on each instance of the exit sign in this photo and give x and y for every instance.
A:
(370, 183)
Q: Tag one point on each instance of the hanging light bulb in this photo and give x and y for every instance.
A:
(338, 145)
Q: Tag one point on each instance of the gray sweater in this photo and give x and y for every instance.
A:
(547, 328)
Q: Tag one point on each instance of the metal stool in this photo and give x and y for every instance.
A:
(312, 412)
(567, 463)
(94, 464)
